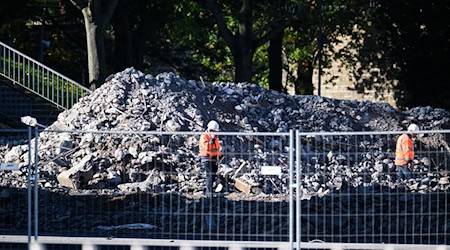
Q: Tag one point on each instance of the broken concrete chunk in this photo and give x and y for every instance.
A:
(78, 175)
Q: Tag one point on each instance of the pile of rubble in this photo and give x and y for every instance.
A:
(111, 163)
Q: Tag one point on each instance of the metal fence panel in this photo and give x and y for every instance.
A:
(150, 185)
(15, 207)
(349, 191)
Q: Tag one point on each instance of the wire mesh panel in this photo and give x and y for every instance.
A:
(14, 185)
(152, 185)
(350, 190)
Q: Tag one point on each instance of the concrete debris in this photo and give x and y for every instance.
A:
(133, 101)
(80, 171)
(244, 186)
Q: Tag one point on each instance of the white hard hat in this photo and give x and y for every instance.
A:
(413, 128)
(213, 125)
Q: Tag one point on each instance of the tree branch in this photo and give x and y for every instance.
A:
(290, 15)
(272, 34)
(80, 4)
(226, 33)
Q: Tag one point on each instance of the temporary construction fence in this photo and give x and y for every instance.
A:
(293, 188)
(350, 191)
(15, 199)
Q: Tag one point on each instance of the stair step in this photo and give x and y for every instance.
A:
(16, 102)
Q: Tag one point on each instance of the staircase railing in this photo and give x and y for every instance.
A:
(39, 79)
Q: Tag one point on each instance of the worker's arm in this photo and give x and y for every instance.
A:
(410, 153)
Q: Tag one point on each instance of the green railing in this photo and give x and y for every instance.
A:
(39, 79)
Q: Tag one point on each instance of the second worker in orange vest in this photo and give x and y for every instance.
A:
(209, 148)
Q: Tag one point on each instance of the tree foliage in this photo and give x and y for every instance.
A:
(408, 42)
(244, 28)
(391, 45)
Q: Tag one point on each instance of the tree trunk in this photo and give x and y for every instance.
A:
(92, 50)
(243, 65)
(275, 62)
(243, 44)
(303, 84)
(97, 15)
(243, 52)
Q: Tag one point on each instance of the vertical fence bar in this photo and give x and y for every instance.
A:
(38, 81)
(33, 77)
(47, 81)
(58, 89)
(291, 188)
(28, 73)
(23, 69)
(4, 60)
(18, 69)
(298, 189)
(14, 68)
(52, 82)
(9, 63)
(42, 84)
(29, 187)
(36, 172)
(67, 96)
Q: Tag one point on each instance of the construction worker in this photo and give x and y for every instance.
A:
(404, 153)
(209, 147)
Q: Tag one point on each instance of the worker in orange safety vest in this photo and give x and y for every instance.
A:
(404, 153)
(209, 148)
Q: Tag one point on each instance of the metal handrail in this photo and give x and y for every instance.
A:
(39, 79)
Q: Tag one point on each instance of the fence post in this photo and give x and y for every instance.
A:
(36, 158)
(298, 182)
(29, 188)
(291, 188)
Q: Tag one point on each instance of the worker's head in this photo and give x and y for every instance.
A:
(413, 128)
(213, 126)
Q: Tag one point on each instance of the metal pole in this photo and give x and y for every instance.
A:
(298, 191)
(29, 188)
(291, 188)
(36, 138)
(319, 79)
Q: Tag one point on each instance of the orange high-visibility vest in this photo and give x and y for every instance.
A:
(206, 148)
(404, 151)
